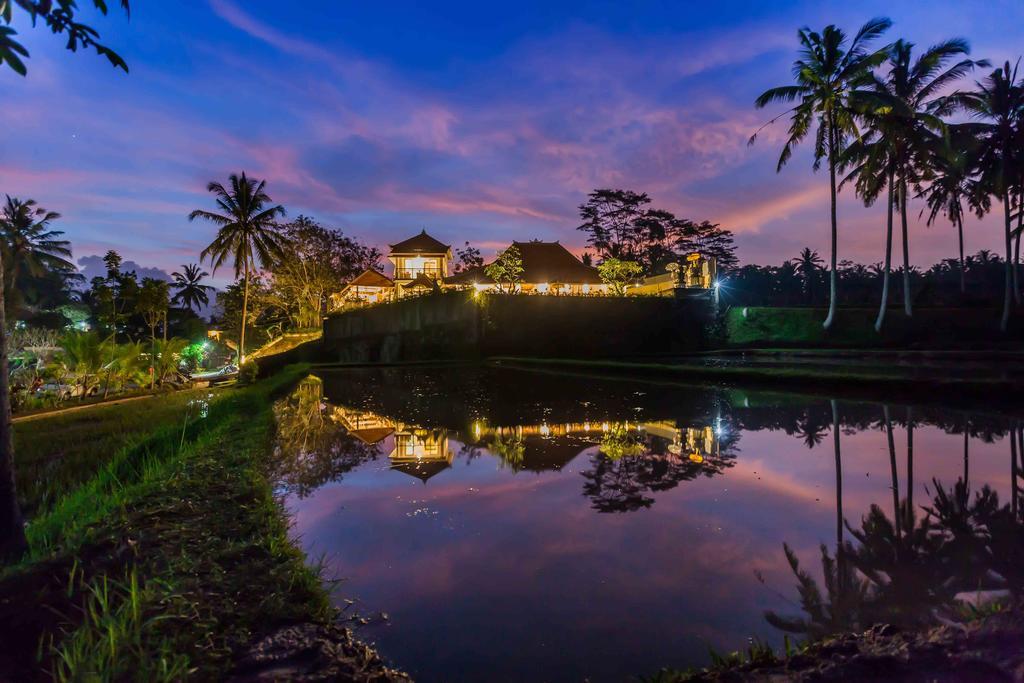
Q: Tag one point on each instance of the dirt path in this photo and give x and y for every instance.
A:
(85, 406)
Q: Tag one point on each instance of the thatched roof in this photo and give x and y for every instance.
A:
(542, 262)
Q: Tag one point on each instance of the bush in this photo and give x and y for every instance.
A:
(248, 372)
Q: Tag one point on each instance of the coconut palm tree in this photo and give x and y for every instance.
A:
(808, 264)
(247, 233)
(917, 86)
(997, 105)
(832, 77)
(901, 131)
(28, 243)
(951, 184)
(189, 289)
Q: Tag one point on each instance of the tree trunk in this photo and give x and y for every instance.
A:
(12, 527)
(833, 275)
(1004, 323)
(839, 474)
(963, 266)
(893, 472)
(907, 306)
(880, 320)
(1016, 250)
(910, 464)
(152, 360)
(967, 454)
(1013, 470)
(245, 308)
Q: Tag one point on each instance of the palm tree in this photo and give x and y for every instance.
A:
(917, 85)
(951, 184)
(28, 243)
(189, 288)
(831, 78)
(808, 264)
(247, 233)
(901, 133)
(998, 107)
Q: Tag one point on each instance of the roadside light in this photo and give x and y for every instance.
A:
(717, 284)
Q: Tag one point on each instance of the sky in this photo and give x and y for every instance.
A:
(480, 122)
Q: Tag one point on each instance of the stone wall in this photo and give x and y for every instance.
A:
(456, 325)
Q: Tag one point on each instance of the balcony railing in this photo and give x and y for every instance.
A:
(413, 273)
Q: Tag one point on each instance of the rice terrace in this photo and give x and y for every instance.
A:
(533, 342)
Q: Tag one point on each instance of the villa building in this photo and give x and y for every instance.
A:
(548, 268)
(421, 265)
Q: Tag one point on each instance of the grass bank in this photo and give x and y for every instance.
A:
(167, 563)
(905, 381)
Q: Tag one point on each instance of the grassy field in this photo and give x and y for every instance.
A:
(166, 551)
(58, 452)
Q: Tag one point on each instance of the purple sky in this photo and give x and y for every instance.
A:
(485, 124)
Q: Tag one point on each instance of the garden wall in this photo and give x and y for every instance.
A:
(762, 326)
(455, 325)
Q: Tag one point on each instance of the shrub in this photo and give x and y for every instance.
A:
(248, 372)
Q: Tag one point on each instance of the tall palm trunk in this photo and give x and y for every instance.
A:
(892, 469)
(833, 275)
(245, 307)
(1016, 248)
(910, 461)
(967, 454)
(12, 528)
(963, 265)
(839, 473)
(1013, 469)
(880, 320)
(1004, 323)
(907, 307)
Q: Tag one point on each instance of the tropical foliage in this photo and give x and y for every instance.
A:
(878, 115)
(507, 269)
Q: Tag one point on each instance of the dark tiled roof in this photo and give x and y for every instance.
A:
(423, 470)
(420, 244)
(542, 262)
(372, 435)
(371, 278)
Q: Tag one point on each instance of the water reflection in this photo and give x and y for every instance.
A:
(549, 513)
(313, 447)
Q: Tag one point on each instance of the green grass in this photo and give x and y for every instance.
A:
(173, 556)
(56, 453)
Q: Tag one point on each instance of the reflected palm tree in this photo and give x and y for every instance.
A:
(839, 478)
(905, 571)
(837, 611)
(961, 545)
(910, 457)
(892, 467)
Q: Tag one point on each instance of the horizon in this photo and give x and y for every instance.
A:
(472, 124)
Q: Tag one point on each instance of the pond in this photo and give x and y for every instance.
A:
(494, 524)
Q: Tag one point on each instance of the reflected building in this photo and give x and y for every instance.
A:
(418, 451)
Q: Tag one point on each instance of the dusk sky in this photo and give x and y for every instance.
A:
(478, 122)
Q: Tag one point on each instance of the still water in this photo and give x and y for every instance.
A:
(493, 524)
